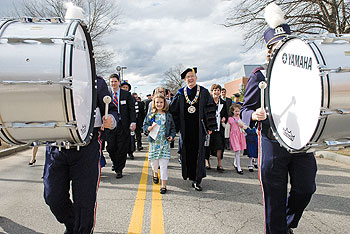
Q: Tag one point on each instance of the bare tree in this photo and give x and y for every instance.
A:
(172, 78)
(304, 17)
(102, 15)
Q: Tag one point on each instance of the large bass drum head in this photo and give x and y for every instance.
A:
(83, 77)
(294, 93)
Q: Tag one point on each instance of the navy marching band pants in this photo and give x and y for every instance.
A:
(82, 168)
(276, 163)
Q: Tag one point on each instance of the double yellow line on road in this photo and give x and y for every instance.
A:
(157, 222)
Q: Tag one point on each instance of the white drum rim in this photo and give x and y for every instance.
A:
(321, 123)
(75, 133)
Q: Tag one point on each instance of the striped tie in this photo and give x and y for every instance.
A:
(115, 100)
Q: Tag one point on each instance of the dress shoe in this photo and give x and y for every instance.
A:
(239, 172)
(290, 231)
(140, 148)
(155, 179)
(250, 168)
(32, 163)
(220, 169)
(119, 175)
(196, 186)
(131, 156)
(208, 167)
(163, 190)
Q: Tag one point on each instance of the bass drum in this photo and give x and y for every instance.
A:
(47, 82)
(308, 92)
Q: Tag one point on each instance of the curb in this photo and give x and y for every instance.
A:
(13, 150)
(333, 156)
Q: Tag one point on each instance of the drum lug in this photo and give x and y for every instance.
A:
(324, 69)
(325, 112)
(65, 81)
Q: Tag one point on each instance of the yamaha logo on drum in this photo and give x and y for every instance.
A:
(288, 134)
(297, 61)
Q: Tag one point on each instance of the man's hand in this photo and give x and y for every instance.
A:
(259, 114)
(107, 122)
(132, 126)
(170, 138)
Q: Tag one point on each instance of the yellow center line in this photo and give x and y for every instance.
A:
(135, 226)
(157, 223)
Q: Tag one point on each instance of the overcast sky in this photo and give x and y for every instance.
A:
(156, 35)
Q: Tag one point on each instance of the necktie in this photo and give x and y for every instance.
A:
(115, 100)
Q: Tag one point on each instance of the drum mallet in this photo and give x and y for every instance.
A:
(106, 100)
(262, 86)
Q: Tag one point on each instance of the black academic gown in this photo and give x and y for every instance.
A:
(192, 129)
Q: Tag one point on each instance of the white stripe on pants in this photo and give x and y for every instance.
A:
(163, 163)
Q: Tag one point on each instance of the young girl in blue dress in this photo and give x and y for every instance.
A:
(159, 148)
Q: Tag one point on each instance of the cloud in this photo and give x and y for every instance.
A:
(158, 35)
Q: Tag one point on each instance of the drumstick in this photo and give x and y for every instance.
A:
(106, 100)
(262, 86)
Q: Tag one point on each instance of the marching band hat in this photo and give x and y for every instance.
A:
(278, 28)
(126, 83)
(183, 74)
(273, 35)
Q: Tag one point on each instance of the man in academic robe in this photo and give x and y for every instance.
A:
(193, 111)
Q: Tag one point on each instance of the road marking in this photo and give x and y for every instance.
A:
(135, 226)
(157, 222)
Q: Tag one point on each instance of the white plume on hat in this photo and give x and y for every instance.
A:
(274, 15)
(73, 12)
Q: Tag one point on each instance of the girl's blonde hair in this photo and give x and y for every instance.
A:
(165, 107)
(232, 108)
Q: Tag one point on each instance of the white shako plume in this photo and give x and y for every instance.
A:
(73, 12)
(274, 15)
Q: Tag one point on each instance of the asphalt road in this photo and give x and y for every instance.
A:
(229, 202)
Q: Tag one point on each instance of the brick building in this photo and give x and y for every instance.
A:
(240, 82)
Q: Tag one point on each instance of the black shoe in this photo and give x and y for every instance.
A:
(250, 168)
(163, 190)
(290, 231)
(196, 186)
(32, 163)
(131, 156)
(239, 172)
(119, 175)
(68, 231)
(208, 167)
(112, 167)
(220, 169)
(155, 179)
(140, 148)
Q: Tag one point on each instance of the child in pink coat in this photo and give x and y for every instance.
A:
(237, 135)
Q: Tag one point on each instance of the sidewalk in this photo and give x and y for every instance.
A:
(12, 150)
(333, 156)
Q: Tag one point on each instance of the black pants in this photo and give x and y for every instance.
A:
(82, 168)
(138, 137)
(119, 148)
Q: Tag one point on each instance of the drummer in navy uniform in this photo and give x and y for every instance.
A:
(82, 168)
(282, 211)
(194, 111)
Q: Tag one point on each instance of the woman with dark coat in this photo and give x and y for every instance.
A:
(217, 138)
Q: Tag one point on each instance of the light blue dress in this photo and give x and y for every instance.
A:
(160, 148)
